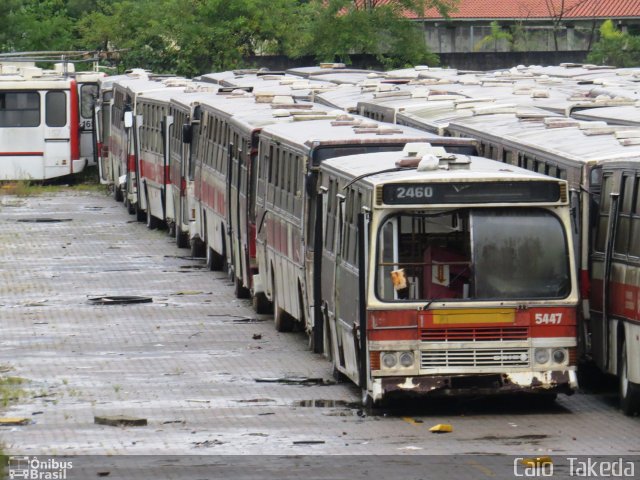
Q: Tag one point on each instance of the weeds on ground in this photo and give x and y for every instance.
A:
(86, 181)
(10, 390)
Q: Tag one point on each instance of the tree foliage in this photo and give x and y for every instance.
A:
(615, 47)
(497, 35)
(194, 36)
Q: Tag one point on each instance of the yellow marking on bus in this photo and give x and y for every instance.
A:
(459, 316)
(486, 470)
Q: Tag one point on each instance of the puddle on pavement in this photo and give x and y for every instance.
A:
(44, 220)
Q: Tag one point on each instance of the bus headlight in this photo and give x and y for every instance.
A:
(559, 355)
(389, 360)
(406, 359)
(541, 355)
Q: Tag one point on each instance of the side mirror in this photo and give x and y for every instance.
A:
(128, 119)
(187, 133)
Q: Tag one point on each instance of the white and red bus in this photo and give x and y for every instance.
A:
(614, 325)
(225, 141)
(181, 122)
(46, 123)
(578, 152)
(446, 274)
(124, 148)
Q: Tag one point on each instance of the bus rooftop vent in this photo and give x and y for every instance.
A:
(628, 137)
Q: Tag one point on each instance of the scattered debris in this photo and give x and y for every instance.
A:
(321, 403)
(13, 421)
(182, 422)
(207, 443)
(189, 292)
(441, 428)
(256, 336)
(120, 300)
(44, 220)
(120, 421)
(256, 400)
(296, 380)
(308, 442)
(250, 320)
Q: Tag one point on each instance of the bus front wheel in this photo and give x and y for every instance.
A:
(629, 391)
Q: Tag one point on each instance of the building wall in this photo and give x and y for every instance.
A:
(452, 36)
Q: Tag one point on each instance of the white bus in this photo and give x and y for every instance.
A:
(46, 123)
(446, 274)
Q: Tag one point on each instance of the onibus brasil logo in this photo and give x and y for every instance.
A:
(38, 469)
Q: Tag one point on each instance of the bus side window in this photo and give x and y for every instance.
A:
(624, 220)
(56, 109)
(634, 247)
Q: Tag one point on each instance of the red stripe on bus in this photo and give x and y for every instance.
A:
(131, 163)
(585, 284)
(153, 171)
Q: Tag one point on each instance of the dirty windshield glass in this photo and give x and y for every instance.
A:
(472, 254)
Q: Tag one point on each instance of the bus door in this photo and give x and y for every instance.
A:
(57, 135)
(347, 285)
(601, 269)
(88, 93)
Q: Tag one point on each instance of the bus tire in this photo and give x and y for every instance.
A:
(261, 303)
(282, 320)
(240, 290)
(182, 238)
(141, 215)
(629, 391)
(197, 248)
(152, 222)
(215, 261)
(117, 193)
(129, 206)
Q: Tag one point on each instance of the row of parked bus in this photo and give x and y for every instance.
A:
(378, 262)
(432, 231)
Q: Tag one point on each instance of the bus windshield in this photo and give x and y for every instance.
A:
(472, 254)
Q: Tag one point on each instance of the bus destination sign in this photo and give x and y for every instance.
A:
(470, 192)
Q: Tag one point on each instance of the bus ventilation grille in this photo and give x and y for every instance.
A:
(471, 357)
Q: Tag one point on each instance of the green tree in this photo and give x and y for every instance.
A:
(497, 35)
(335, 29)
(615, 47)
(35, 25)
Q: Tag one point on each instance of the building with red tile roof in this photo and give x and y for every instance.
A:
(541, 9)
(534, 25)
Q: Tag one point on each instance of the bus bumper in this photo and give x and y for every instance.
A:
(551, 381)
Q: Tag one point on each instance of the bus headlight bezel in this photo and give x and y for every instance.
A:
(541, 356)
(389, 360)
